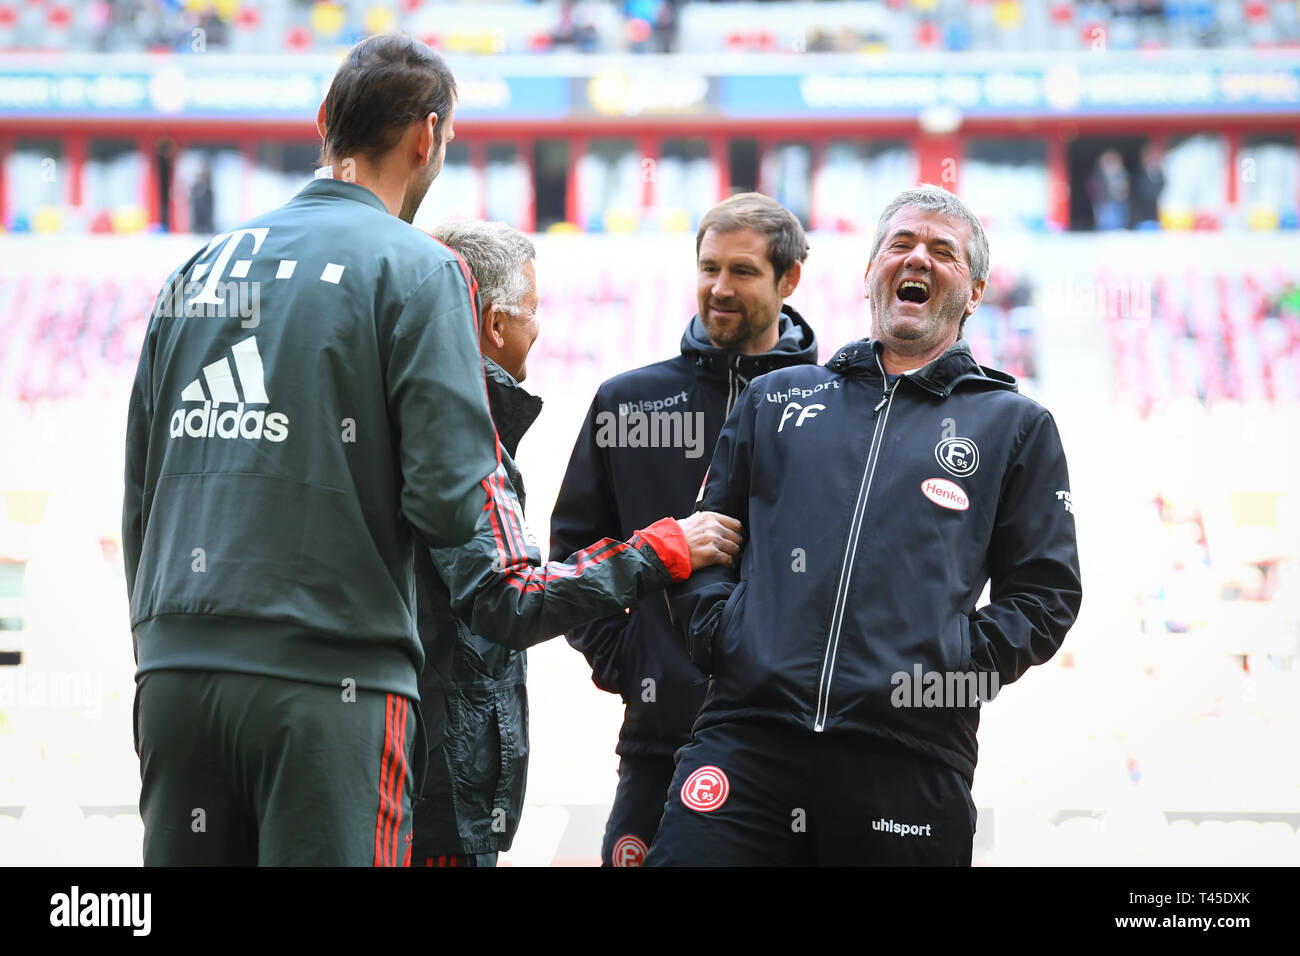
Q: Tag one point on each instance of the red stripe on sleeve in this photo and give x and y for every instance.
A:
(532, 578)
(511, 520)
(471, 286)
(491, 509)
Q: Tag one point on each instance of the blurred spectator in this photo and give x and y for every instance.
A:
(201, 201)
(1108, 188)
(641, 15)
(1147, 188)
(665, 27)
(213, 35)
(575, 27)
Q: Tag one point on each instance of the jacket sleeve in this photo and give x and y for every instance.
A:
(696, 606)
(586, 511)
(139, 424)
(437, 401)
(1035, 587)
(502, 596)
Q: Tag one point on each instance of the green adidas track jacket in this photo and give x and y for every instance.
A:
(310, 391)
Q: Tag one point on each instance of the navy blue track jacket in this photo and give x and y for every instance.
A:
(612, 488)
(874, 515)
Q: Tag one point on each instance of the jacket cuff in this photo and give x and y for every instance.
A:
(669, 542)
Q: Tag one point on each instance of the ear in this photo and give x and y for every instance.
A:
(976, 295)
(493, 325)
(790, 281)
(866, 282)
(425, 141)
(320, 121)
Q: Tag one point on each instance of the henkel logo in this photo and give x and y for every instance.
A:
(238, 421)
(945, 494)
(629, 850)
(706, 789)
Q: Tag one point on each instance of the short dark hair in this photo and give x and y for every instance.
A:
(786, 242)
(385, 83)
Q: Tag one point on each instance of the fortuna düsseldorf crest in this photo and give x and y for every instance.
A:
(706, 789)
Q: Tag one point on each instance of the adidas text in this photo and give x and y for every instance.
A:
(207, 422)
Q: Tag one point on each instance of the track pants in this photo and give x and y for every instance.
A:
(244, 770)
(766, 795)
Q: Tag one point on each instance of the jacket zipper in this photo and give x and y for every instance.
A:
(850, 551)
(733, 377)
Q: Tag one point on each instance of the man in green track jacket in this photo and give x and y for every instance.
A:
(480, 605)
(282, 467)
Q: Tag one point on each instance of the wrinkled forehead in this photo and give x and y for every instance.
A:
(929, 225)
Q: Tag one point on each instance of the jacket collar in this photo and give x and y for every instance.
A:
(340, 189)
(797, 344)
(956, 366)
(513, 409)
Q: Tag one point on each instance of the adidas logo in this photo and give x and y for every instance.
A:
(237, 422)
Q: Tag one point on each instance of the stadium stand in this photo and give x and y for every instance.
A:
(644, 26)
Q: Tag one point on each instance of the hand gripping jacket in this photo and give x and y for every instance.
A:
(875, 514)
(611, 488)
(478, 607)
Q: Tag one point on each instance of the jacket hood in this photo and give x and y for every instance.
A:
(797, 343)
(956, 366)
(513, 408)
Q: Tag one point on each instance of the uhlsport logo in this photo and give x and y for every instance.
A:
(238, 421)
(629, 850)
(958, 456)
(900, 829)
(706, 789)
(945, 494)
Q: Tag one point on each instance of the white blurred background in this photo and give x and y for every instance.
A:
(1153, 305)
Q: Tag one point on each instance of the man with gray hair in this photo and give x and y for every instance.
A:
(879, 493)
(480, 605)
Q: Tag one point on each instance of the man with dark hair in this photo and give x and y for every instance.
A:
(282, 467)
(387, 119)
(880, 493)
(749, 258)
(480, 605)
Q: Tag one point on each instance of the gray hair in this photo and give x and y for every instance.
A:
(496, 255)
(937, 199)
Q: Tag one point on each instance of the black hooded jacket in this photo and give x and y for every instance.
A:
(875, 512)
(621, 477)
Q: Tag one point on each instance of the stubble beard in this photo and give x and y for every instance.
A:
(913, 340)
(416, 192)
(740, 334)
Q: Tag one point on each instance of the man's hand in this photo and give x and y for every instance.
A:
(713, 539)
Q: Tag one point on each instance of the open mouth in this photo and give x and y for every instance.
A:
(910, 290)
